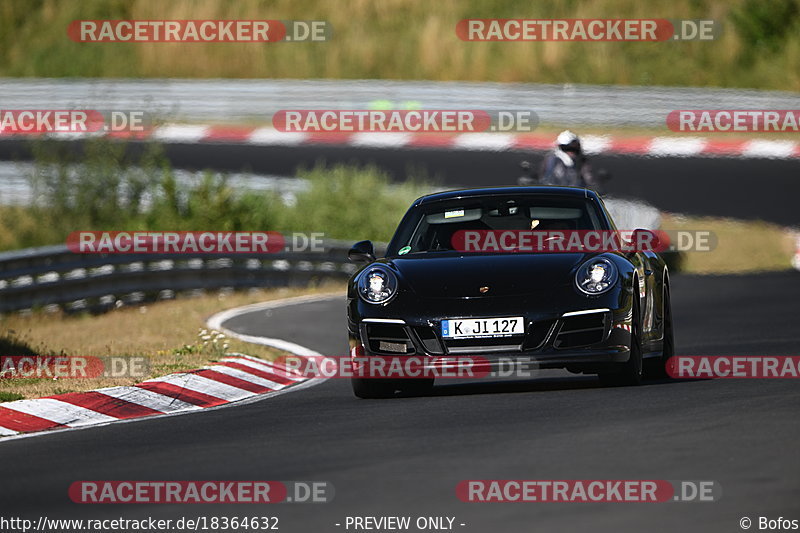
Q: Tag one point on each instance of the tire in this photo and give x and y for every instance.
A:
(373, 388)
(630, 372)
(658, 366)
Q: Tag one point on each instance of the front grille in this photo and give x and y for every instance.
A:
(537, 334)
(581, 330)
(484, 345)
(428, 339)
(483, 348)
(388, 339)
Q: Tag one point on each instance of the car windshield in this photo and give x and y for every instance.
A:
(431, 227)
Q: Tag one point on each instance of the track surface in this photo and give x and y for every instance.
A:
(713, 186)
(405, 456)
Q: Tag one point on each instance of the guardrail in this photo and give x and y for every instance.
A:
(53, 277)
(237, 100)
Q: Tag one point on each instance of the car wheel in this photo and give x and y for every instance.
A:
(371, 388)
(629, 372)
(658, 366)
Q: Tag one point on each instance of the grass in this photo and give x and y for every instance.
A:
(742, 246)
(106, 189)
(759, 46)
(165, 332)
(10, 396)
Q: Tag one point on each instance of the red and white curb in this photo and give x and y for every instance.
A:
(593, 144)
(235, 380)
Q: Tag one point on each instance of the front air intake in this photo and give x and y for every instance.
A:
(388, 339)
(582, 330)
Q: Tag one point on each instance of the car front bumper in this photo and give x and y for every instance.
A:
(580, 340)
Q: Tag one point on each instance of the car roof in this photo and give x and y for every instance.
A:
(537, 190)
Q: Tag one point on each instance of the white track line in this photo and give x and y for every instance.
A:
(269, 137)
(484, 141)
(677, 146)
(769, 149)
(216, 321)
(180, 133)
(595, 144)
(381, 139)
(238, 356)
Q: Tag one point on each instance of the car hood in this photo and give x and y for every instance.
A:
(504, 274)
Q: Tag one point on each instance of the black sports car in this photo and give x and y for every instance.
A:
(598, 312)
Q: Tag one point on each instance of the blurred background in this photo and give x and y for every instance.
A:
(759, 45)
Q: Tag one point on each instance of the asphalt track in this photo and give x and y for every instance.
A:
(404, 456)
(744, 188)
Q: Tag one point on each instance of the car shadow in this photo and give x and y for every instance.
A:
(565, 383)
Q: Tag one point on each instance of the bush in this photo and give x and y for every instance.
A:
(106, 187)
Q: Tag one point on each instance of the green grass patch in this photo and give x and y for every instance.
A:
(10, 396)
(741, 246)
(106, 188)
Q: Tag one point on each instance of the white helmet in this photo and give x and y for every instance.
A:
(566, 140)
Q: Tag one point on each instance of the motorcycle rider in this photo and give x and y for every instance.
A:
(567, 164)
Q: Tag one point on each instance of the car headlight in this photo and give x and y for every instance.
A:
(377, 285)
(596, 276)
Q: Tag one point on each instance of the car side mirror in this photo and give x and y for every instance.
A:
(645, 240)
(362, 251)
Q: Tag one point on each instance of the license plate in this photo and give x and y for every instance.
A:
(483, 327)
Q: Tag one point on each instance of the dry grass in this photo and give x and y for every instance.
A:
(157, 331)
(407, 39)
(742, 246)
